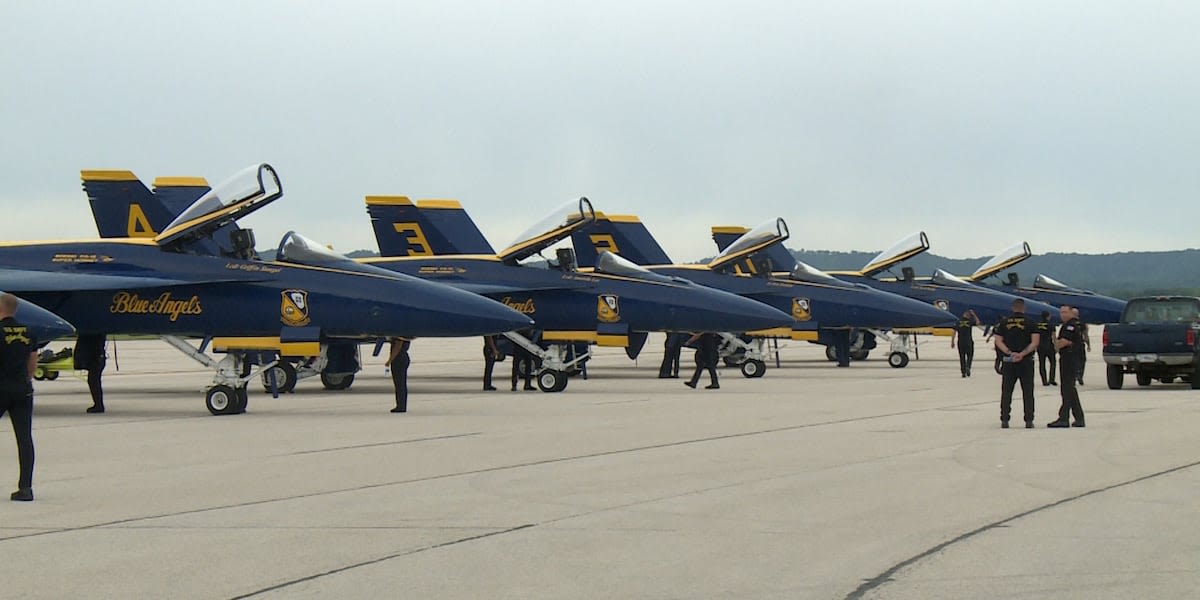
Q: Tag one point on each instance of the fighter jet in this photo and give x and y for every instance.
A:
(255, 310)
(44, 325)
(615, 303)
(1094, 308)
(822, 308)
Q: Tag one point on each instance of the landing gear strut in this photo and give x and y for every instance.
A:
(555, 364)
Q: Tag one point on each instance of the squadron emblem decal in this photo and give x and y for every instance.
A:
(608, 308)
(801, 309)
(293, 311)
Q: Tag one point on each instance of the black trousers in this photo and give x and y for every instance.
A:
(1045, 356)
(93, 381)
(1010, 373)
(19, 406)
(704, 362)
(400, 380)
(966, 355)
(670, 362)
(489, 363)
(522, 357)
(1070, 395)
(1082, 364)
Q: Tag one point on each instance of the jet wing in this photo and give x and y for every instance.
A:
(26, 280)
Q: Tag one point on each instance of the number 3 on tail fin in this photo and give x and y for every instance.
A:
(412, 234)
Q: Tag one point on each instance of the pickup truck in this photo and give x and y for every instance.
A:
(1156, 339)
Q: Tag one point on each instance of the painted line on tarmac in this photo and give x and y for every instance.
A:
(888, 575)
(374, 561)
(378, 444)
(496, 469)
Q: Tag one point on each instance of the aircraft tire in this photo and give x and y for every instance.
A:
(859, 354)
(285, 378)
(898, 360)
(51, 375)
(337, 382)
(1115, 376)
(1143, 379)
(753, 368)
(221, 400)
(552, 381)
(831, 353)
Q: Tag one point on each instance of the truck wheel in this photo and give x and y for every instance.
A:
(1116, 377)
(51, 375)
(1143, 379)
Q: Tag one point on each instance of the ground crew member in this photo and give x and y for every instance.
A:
(91, 356)
(963, 335)
(1070, 346)
(18, 361)
(398, 362)
(1087, 344)
(989, 335)
(522, 358)
(1046, 352)
(706, 358)
(672, 347)
(490, 355)
(1016, 338)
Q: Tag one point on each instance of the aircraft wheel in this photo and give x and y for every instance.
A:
(1143, 379)
(221, 400)
(39, 373)
(730, 361)
(552, 381)
(51, 375)
(285, 378)
(831, 353)
(898, 360)
(1116, 377)
(339, 381)
(859, 354)
(753, 368)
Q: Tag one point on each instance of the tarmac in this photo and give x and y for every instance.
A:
(811, 482)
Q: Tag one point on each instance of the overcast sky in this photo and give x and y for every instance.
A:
(981, 123)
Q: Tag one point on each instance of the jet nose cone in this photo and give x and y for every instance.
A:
(723, 311)
(893, 310)
(43, 324)
(460, 313)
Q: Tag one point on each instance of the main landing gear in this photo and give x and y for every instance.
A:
(227, 395)
(556, 363)
(751, 356)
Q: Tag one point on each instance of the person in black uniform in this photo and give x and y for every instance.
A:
(522, 359)
(398, 362)
(963, 335)
(90, 356)
(1087, 344)
(1070, 346)
(1046, 352)
(672, 347)
(490, 355)
(1016, 338)
(18, 361)
(989, 335)
(706, 358)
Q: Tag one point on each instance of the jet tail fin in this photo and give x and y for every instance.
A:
(620, 234)
(122, 205)
(424, 228)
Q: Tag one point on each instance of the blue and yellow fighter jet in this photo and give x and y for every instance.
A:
(1095, 309)
(44, 325)
(613, 307)
(254, 310)
(614, 304)
(822, 308)
(942, 290)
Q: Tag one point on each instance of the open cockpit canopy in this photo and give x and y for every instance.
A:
(898, 253)
(771, 232)
(1007, 258)
(550, 230)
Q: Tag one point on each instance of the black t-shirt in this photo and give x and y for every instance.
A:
(964, 328)
(16, 344)
(1046, 329)
(1017, 331)
(1071, 330)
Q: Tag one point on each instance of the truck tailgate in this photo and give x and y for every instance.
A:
(1148, 338)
